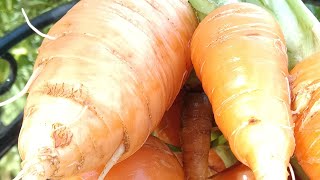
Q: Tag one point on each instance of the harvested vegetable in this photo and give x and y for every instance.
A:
(215, 162)
(196, 129)
(306, 105)
(152, 161)
(239, 55)
(236, 172)
(168, 129)
(102, 85)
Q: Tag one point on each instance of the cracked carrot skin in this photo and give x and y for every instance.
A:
(154, 160)
(196, 129)
(305, 87)
(107, 79)
(239, 55)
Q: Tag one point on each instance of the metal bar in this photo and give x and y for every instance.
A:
(9, 135)
(23, 31)
(4, 87)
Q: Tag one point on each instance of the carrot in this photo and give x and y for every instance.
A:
(196, 128)
(239, 55)
(215, 162)
(152, 161)
(103, 83)
(306, 97)
(235, 172)
(168, 129)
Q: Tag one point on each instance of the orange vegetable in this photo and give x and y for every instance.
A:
(215, 162)
(168, 129)
(306, 105)
(239, 55)
(235, 172)
(152, 161)
(103, 84)
(196, 129)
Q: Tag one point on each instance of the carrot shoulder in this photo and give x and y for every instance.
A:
(239, 54)
(105, 82)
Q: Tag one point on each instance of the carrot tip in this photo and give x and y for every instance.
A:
(25, 89)
(115, 157)
(34, 28)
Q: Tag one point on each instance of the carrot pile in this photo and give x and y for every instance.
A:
(111, 73)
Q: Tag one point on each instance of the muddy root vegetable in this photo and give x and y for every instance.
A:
(196, 129)
(239, 55)
(112, 70)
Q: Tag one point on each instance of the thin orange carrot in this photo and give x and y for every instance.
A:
(196, 120)
(103, 84)
(239, 54)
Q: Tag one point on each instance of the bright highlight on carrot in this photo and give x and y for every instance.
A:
(106, 80)
(239, 54)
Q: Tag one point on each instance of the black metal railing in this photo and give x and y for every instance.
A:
(9, 134)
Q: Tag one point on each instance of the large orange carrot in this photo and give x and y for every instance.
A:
(152, 161)
(103, 83)
(306, 105)
(196, 128)
(239, 54)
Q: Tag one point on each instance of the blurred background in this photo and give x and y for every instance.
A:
(25, 53)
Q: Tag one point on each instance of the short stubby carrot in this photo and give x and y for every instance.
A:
(239, 55)
(103, 83)
(305, 87)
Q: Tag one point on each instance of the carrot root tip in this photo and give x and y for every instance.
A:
(34, 28)
(25, 89)
(114, 159)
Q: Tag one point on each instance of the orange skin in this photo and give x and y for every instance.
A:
(153, 161)
(215, 162)
(196, 120)
(239, 55)
(235, 172)
(168, 129)
(107, 79)
(305, 103)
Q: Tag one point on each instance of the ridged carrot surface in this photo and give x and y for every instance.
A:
(306, 105)
(239, 54)
(105, 82)
(195, 135)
